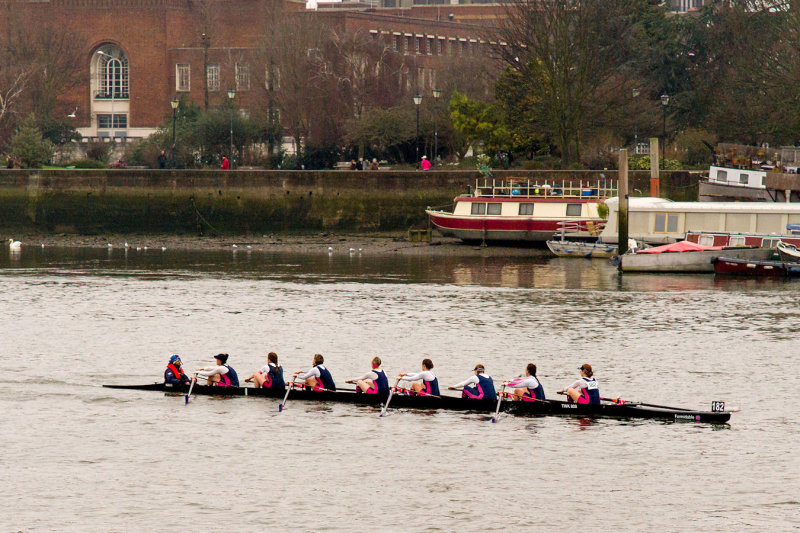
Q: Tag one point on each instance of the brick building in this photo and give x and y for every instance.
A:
(139, 55)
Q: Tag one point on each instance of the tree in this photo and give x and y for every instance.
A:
(480, 122)
(573, 57)
(29, 146)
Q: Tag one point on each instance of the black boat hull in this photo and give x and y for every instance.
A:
(450, 403)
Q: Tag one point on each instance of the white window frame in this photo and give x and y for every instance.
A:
(242, 77)
(183, 77)
(213, 76)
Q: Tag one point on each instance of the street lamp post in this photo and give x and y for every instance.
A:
(635, 122)
(664, 104)
(436, 94)
(174, 103)
(417, 102)
(231, 94)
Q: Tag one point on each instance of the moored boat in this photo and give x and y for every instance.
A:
(536, 408)
(731, 266)
(522, 210)
(686, 257)
(788, 252)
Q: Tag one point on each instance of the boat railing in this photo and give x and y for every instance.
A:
(527, 188)
(572, 227)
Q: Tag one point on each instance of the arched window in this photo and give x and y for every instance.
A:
(112, 74)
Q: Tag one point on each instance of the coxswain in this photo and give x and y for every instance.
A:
(478, 386)
(374, 381)
(317, 377)
(584, 390)
(174, 374)
(221, 375)
(528, 388)
(270, 376)
(429, 385)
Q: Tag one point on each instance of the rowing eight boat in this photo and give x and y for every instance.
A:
(549, 407)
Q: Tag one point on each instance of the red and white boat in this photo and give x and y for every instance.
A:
(520, 209)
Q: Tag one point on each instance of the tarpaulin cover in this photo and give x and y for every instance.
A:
(682, 246)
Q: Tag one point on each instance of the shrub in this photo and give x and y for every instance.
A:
(86, 163)
(99, 151)
(29, 147)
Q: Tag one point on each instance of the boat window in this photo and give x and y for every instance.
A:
(526, 208)
(769, 243)
(494, 208)
(722, 175)
(743, 179)
(478, 208)
(705, 240)
(736, 240)
(666, 223)
(574, 210)
(672, 223)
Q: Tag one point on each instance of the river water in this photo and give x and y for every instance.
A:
(78, 457)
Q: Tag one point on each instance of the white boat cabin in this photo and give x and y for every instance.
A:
(656, 220)
(522, 208)
(736, 177)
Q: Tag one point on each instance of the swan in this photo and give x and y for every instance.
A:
(14, 245)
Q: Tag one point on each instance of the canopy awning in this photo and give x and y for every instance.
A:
(682, 246)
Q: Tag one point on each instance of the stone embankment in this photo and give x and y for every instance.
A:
(96, 202)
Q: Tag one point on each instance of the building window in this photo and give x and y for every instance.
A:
(494, 208)
(182, 77)
(573, 210)
(212, 73)
(526, 208)
(440, 45)
(406, 44)
(395, 40)
(274, 77)
(450, 47)
(112, 75)
(478, 209)
(242, 77)
(108, 121)
(417, 45)
(429, 49)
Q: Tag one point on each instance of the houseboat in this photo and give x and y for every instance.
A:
(659, 221)
(523, 210)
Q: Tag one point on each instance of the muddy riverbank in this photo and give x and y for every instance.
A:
(337, 243)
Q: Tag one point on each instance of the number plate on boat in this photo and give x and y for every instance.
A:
(717, 407)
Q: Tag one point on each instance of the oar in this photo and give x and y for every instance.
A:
(283, 403)
(194, 380)
(499, 400)
(623, 402)
(389, 399)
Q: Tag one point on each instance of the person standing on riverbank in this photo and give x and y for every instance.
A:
(425, 164)
(226, 165)
(162, 160)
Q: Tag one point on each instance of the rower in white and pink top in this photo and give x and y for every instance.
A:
(429, 385)
(585, 389)
(478, 386)
(374, 381)
(527, 389)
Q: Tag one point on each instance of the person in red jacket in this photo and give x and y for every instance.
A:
(226, 165)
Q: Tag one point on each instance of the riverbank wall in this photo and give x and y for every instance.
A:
(242, 201)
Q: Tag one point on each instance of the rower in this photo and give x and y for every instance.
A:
(270, 376)
(429, 385)
(374, 381)
(478, 386)
(221, 375)
(585, 389)
(528, 389)
(317, 377)
(174, 374)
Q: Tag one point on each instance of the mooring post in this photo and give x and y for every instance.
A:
(622, 212)
(655, 169)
